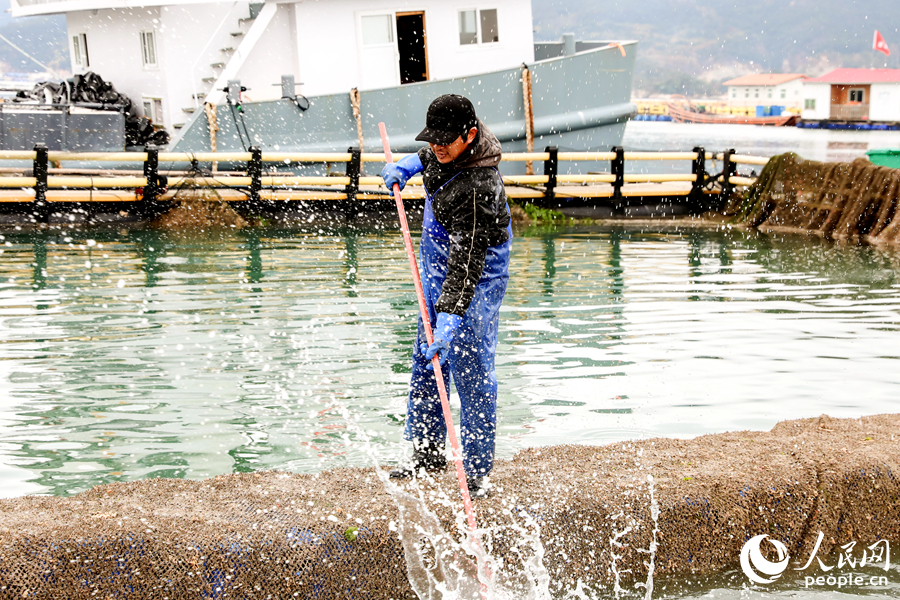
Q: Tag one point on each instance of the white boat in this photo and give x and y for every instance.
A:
(174, 58)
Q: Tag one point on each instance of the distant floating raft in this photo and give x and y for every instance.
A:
(854, 202)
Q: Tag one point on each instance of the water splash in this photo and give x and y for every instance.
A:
(458, 565)
(651, 566)
(614, 558)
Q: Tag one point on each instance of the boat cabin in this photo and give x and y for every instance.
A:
(853, 95)
(170, 56)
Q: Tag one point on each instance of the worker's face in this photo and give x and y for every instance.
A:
(451, 151)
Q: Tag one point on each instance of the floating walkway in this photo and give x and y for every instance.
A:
(610, 515)
(259, 178)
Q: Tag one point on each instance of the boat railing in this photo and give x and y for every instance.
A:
(249, 176)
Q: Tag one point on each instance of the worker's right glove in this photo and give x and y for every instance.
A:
(400, 171)
(444, 330)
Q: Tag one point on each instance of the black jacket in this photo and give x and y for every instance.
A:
(472, 208)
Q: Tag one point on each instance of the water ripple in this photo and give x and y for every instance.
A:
(134, 354)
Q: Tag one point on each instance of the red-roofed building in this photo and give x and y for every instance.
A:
(766, 89)
(853, 95)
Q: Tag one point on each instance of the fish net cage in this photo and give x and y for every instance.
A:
(198, 207)
(610, 519)
(854, 202)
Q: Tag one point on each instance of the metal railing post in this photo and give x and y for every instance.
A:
(551, 169)
(254, 170)
(729, 170)
(39, 169)
(353, 168)
(618, 171)
(151, 189)
(698, 169)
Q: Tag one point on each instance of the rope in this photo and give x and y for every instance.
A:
(529, 116)
(237, 127)
(354, 103)
(212, 119)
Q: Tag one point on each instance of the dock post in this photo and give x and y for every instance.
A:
(352, 189)
(551, 169)
(698, 169)
(618, 170)
(254, 170)
(151, 190)
(39, 169)
(729, 170)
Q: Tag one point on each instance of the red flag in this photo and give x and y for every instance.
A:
(880, 45)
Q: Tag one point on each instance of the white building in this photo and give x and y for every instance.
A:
(766, 89)
(853, 95)
(167, 55)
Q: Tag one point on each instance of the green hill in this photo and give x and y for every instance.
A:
(44, 38)
(685, 47)
(693, 46)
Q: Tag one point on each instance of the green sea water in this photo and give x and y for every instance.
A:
(133, 354)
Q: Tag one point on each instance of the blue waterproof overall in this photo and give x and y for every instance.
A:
(471, 357)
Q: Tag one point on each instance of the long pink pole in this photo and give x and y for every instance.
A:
(423, 311)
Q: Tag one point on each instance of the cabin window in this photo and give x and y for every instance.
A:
(783, 94)
(489, 33)
(478, 26)
(468, 33)
(377, 30)
(80, 50)
(734, 93)
(809, 103)
(770, 93)
(148, 48)
(857, 95)
(153, 111)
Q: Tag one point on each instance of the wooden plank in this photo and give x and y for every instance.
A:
(17, 182)
(660, 156)
(658, 178)
(99, 156)
(749, 160)
(96, 182)
(204, 156)
(17, 154)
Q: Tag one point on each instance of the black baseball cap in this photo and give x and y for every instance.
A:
(449, 117)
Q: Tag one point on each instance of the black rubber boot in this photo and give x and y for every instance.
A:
(426, 456)
(478, 486)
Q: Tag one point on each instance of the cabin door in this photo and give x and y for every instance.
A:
(411, 47)
(378, 51)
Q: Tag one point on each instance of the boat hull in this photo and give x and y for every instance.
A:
(581, 102)
(680, 115)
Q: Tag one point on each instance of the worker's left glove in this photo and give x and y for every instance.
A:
(444, 330)
(400, 171)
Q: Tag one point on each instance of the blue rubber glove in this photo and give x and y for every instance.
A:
(400, 171)
(444, 330)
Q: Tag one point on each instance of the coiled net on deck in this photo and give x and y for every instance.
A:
(854, 202)
(278, 535)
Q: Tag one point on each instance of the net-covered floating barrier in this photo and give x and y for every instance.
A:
(264, 180)
(333, 535)
(197, 209)
(854, 202)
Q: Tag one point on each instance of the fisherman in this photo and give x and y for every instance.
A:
(464, 265)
